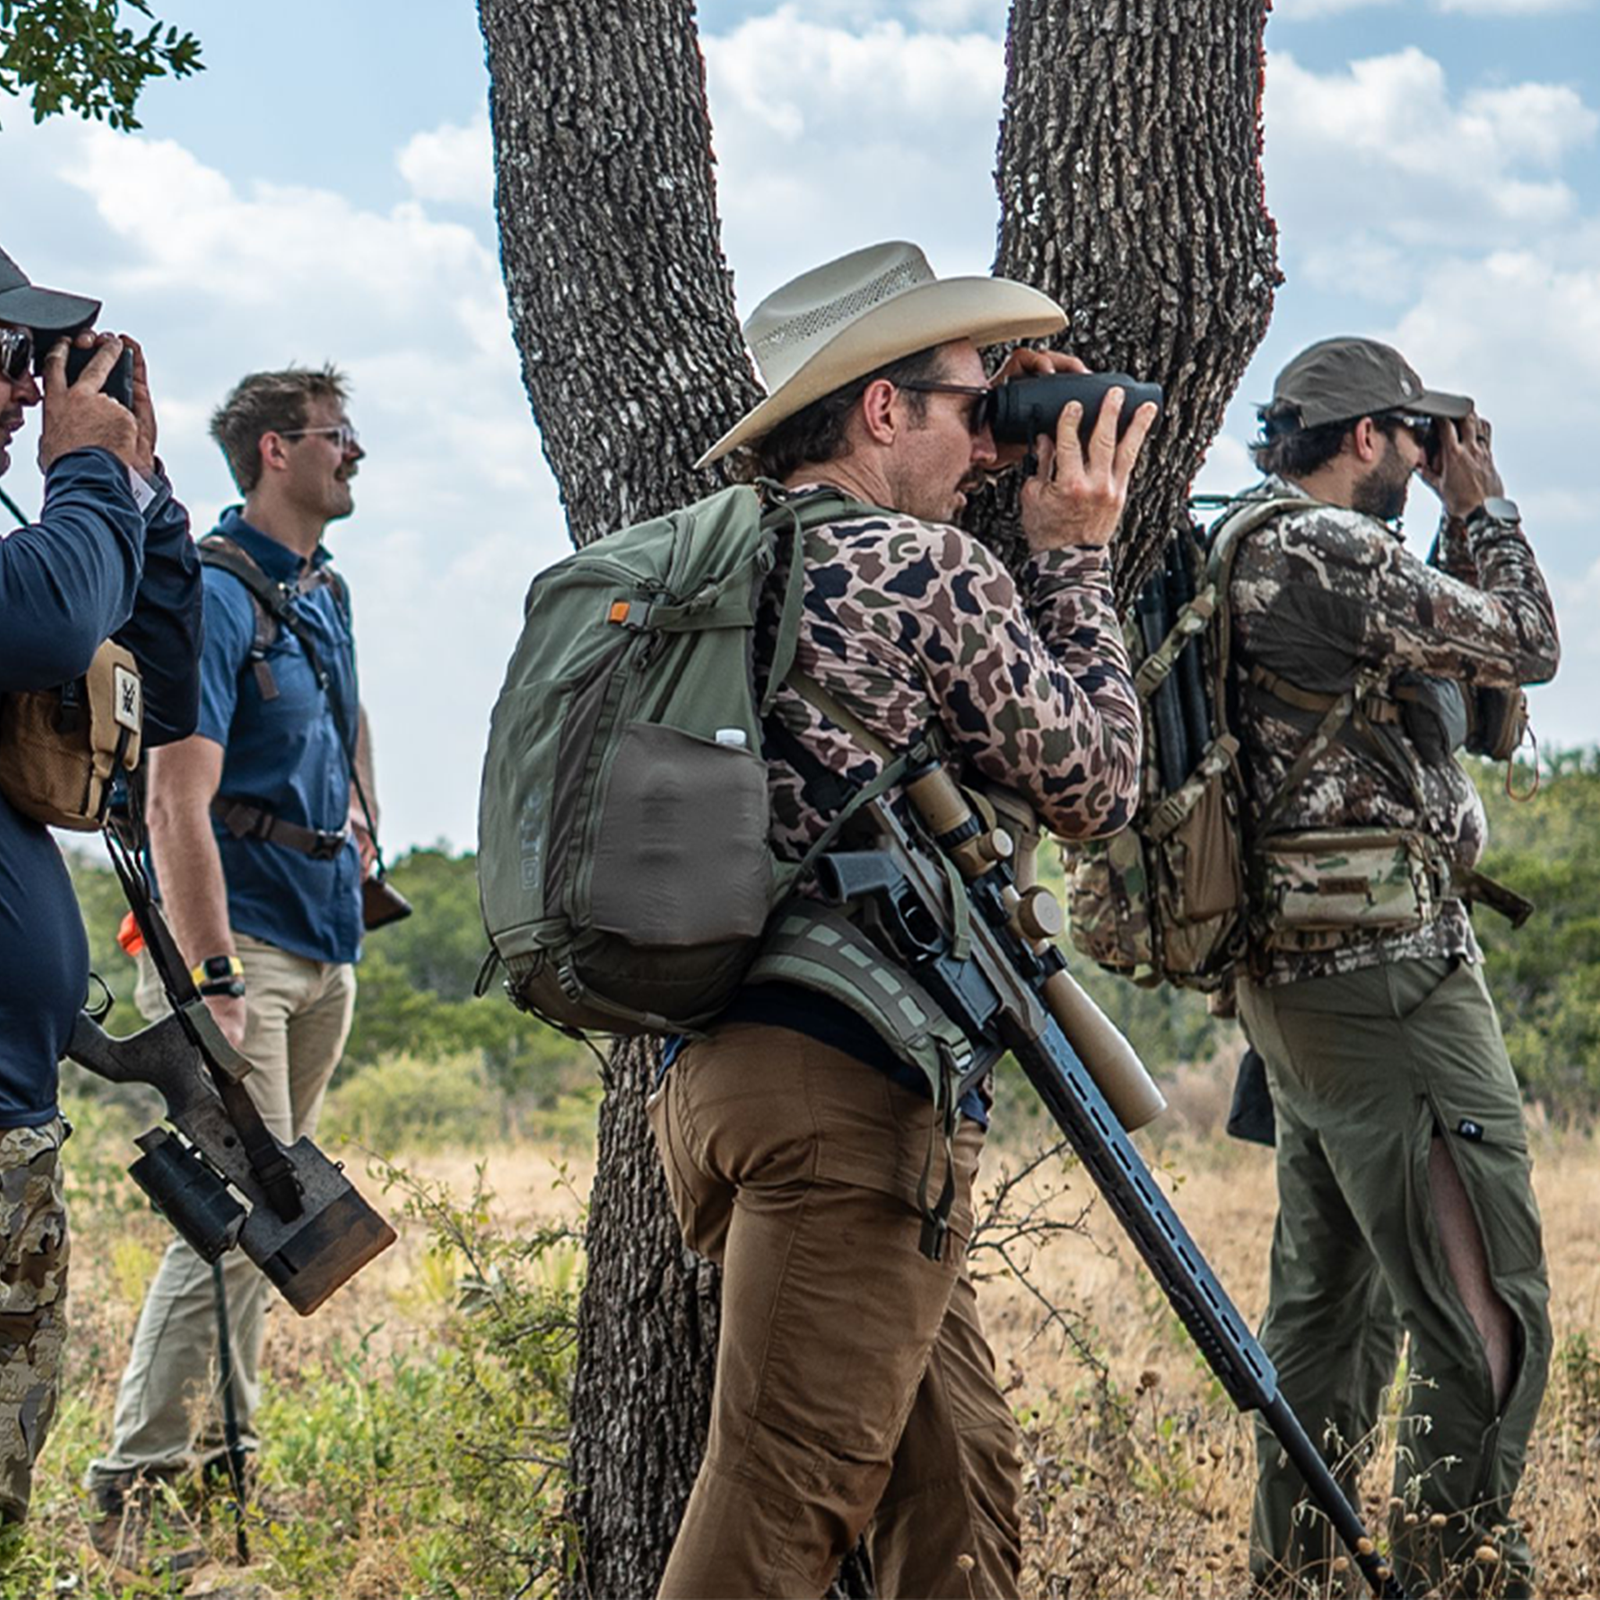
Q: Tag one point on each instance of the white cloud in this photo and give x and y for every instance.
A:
(829, 138)
(1510, 8)
(1384, 154)
(959, 16)
(1307, 10)
(455, 509)
(1310, 10)
(451, 163)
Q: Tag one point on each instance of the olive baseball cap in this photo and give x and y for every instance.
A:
(1338, 380)
(25, 305)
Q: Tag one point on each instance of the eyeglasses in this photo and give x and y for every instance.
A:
(978, 416)
(342, 434)
(1425, 430)
(16, 353)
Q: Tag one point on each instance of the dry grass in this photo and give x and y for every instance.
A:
(1141, 1485)
(1138, 1484)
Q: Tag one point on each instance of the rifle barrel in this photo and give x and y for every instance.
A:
(1055, 1067)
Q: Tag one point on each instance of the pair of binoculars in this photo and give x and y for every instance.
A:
(1019, 411)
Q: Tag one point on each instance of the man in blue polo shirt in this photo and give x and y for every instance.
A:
(260, 867)
(110, 556)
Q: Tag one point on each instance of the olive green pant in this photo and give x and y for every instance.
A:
(1366, 1070)
(854, 1390)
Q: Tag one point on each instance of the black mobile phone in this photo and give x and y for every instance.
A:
(119, 381)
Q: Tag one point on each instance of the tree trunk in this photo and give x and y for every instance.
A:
(633, 361)
(621, 302)
(1138, 203)
(1131, 190)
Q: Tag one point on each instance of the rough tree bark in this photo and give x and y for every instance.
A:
(1130, 189)
(631, 354)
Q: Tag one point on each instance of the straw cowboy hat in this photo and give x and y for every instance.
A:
(847, 318)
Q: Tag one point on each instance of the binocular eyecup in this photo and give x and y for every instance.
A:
(1019, 411)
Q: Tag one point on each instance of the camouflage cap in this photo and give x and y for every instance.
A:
(1341, 379)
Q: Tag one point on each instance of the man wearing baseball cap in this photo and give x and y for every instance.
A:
(1403, 1176)
(855, 1392)
(110, 556)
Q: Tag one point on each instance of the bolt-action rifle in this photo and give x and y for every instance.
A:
(993, 966)
(301, 1221)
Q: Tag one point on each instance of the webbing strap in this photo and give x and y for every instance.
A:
(802, 512)
(224, 554)
(1376, 708)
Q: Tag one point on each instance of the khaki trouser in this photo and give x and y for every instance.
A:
(1366, 1070)
(854, 1390)
(33, 1302)
(168, 1410)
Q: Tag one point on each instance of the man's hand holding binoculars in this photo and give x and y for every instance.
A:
(80, 416)
(1460, 469)
(1076, 495)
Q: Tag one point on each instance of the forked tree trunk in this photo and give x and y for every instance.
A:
(1131, 189)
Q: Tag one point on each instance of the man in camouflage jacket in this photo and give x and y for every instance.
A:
(1403, 1173)
(855, 1393)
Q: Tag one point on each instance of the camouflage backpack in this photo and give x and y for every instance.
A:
(1180, 895)
(1166, 899)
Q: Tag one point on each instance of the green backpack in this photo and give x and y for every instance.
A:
(624, 868)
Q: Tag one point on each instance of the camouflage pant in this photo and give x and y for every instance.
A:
(33, 1302)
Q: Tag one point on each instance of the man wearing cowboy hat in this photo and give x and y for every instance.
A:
(1403, 1173)
(855, 1392)
(109, 555)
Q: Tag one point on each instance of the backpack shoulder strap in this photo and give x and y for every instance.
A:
(266, 603)
(784, 514)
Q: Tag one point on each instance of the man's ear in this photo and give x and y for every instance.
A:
(273, 450)
(877, 411)
(1366, 441)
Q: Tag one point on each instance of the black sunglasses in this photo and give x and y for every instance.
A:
(1425, 430)
(978, 417)
(16, 353)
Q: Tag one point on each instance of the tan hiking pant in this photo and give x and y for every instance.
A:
(1367, 1069)
(854, 1390)
(169, 1409)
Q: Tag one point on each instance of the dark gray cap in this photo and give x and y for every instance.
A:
(48, 310)
(1339, 380)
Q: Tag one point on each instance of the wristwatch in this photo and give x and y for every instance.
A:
(220, 976)
(1496, 509)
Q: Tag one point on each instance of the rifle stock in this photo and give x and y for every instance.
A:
(1013, 988)
(307, 1226)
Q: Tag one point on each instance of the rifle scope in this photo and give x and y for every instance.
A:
(1019, 411)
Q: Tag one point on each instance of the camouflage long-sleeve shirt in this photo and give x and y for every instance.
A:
(908, 623)
(1320, 594)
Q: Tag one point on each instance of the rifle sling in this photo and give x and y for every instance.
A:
(266, 1156)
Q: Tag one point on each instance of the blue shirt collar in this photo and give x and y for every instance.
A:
(278, 561)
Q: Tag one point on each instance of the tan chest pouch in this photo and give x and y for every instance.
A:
(61, 749)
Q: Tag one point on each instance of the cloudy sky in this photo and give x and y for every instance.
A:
(324, 191)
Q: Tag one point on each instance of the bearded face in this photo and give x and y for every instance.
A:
(1382, 492)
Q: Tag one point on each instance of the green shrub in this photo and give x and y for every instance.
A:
(411, 1103)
